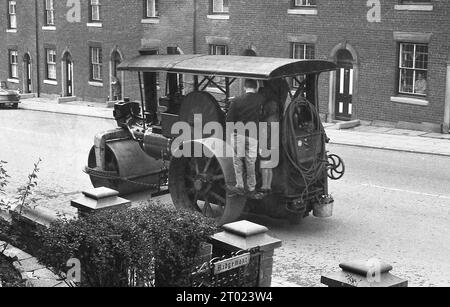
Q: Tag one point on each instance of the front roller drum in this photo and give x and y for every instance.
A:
(127, 168)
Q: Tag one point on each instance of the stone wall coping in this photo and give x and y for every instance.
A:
(245, 228)
(100, 193)
(233, 242)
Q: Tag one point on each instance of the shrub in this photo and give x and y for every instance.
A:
(152, 245)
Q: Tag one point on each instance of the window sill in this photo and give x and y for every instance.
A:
(94, 25)
(414, 7)
(150, 20)
(305, 11)
(96, 83)
(51, 82)
(219, 16)
(49, 28)
(409, 100)
(11, 30)
(11, 80)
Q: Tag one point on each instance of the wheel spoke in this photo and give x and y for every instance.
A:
(196, 202)
(218, 177)
(207, 206)
(218, 197)
(207, 165)
(197, 170)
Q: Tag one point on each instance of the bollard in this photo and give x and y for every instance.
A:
(363, 274)
(244, 235)
(99, 199)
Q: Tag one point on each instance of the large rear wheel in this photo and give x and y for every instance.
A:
(200, 184)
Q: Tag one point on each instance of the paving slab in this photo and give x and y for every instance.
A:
(415, 144)
(66, 108)
(28, 265)
(42, 283)
(45, 274)
(15, 253)
(406, 132)
(437, 136)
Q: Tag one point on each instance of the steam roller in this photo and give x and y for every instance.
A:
(148, 150)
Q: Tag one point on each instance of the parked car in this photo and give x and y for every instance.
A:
(8, 97)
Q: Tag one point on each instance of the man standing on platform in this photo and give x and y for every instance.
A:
(246, 109)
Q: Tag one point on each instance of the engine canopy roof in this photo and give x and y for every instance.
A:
(261, 68)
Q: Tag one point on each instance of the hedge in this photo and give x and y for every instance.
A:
(148, 246)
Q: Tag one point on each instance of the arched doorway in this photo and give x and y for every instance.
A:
(27, 82)
(117, 78)
(343, 95)
(67, 71)
(344, 85)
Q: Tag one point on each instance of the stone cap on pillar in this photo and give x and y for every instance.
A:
(99, 199)
(363, 274)
(245, 235)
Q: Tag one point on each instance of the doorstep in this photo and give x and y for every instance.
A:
(66, 99)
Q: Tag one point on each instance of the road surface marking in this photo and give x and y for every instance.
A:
(405, 191)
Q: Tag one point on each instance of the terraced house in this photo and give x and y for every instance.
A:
(393, 55)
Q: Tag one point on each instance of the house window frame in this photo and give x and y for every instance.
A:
(214, 47)
(414, 69)
(13, 65)
(414, 2)
(304, 4)
(12, 16)
(49, 12)
(225, 9)
(154, 13)
(305, 46)
(96, 65)
(50, 62)
(95, 8)
(412, 5)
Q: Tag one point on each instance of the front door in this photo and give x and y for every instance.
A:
(27, 75)
(344, 93)
(69, 78)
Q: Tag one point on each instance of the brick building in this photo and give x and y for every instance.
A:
(393, 55)
(69, 48)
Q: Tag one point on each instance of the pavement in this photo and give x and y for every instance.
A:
(362, 136)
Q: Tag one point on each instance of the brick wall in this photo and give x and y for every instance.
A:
(267, 26)
(23, 40)
(262, 25)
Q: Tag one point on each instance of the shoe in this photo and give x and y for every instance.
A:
(255, 195)
(236, 191)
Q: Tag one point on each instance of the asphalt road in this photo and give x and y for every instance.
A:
(392, 206)
(62, 142)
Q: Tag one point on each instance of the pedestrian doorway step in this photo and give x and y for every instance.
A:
(27, 95)
(66, 99)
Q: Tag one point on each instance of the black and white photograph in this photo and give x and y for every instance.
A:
(225, 149)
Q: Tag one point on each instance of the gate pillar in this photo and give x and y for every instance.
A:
(244, 235)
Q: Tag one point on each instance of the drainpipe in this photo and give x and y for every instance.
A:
(38, 78)
(446, 126)
(194, 34)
